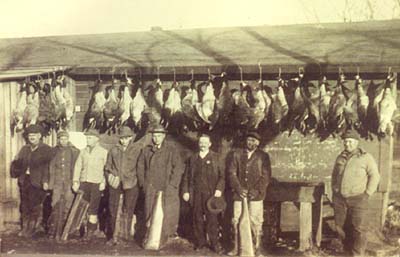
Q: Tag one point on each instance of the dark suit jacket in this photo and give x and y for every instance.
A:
(252, 174)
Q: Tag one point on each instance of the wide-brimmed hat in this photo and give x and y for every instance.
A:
(351, 133)
(216, 205)
(157, 129)
(125, 132)
(92, 132)
(34, 129)
(253, 134)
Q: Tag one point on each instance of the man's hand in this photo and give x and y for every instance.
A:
(186, 197)
(243, 193)
(75, 186)
(253, 194)
(45, 186)
(217, 193)
(102, 186)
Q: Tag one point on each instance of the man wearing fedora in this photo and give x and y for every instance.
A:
(203, 184)
(89, 176)
(60, 182)
(160, 168)
(249, 173)
(122, 178)
(31, 167)
(355, 178)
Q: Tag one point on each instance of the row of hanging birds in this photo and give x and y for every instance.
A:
(45, 102)
(322, 108)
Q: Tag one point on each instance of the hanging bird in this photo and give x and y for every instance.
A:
(17, 123)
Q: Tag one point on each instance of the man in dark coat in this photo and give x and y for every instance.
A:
(122, 179)
(249, 173)
(60, 181)
(160, 168)
(204, 178)
(31, 167)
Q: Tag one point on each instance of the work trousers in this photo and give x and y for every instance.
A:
(31, 199)
(350, 216)
(130, 198)
(92, 195)
(202, 227)
(256, 212)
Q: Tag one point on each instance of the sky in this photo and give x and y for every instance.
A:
(28, 18)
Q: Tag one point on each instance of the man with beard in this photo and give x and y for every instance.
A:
(31, 167)
(122, 179)
(355, 178)
(204, 179)
(89, 177)
(160, 168)
(60, 181)
(249, 173)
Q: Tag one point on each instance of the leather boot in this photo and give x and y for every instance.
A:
(234, 251)
(24, 230)
(31, 227)
(91, 228)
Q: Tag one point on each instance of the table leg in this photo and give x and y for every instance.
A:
(305, 226)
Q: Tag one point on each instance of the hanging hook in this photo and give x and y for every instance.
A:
(279, 73)
(158, 72)
(260, 68)
(241, 73)
(389, 70)
(358, 71)
(174, 70)
(98, 74)
(209, 73)
(192, 73)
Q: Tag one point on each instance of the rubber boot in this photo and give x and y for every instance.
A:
(234, 251)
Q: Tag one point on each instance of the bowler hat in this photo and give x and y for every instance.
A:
(350, 133)
(125, 131)
(253, 134)
(216, 205)
(92, 132)
(157, 129)
(34, 129)
(62, 133)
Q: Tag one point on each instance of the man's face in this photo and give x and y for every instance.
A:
(124, 141)
(91, 140)
(204, 144)
(34, 138)
(63, 141)
(157, 138)
(350, 144)
(252, 143)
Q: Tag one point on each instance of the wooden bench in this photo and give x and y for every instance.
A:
(309, 196)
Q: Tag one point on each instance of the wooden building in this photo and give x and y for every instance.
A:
(368, 47)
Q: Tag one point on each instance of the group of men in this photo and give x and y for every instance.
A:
(202, 181)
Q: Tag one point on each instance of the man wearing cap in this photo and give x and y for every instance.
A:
(249, 173)
(31, 167)
(89, 176)
(203, 180)
(122, 178)
(60, 181)
(160, 168)
(355, 178)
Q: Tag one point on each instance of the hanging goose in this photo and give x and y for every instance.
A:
(18, 113)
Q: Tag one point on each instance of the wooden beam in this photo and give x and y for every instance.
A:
(305, 241)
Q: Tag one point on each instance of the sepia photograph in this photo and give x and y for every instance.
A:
(199, 128)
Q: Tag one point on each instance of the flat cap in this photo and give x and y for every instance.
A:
(157, 129)
(253, 134)
(351, 133)
(92, 132)
(125, 131)
(62, 133)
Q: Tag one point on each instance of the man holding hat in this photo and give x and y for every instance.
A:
(89, 176)
(31, 167)
(355, 178)
(203, 184)
(160, 168)
(122, 178)
(60, 181)
(249, 173)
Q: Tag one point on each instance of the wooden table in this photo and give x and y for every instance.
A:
(309, 197)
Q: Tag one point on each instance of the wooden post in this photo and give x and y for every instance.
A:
(305, 241)
(318, 236)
